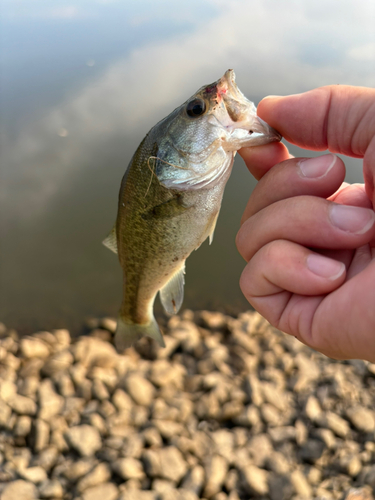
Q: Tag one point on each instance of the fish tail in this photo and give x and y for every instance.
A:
(128, 333)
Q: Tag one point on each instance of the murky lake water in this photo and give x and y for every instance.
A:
(82, 82)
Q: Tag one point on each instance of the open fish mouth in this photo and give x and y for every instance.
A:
(237, 115)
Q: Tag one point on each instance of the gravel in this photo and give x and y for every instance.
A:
(231, 409)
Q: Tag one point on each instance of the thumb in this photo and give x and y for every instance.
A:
(339, 118)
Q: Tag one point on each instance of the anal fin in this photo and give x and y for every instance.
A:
(172, 294)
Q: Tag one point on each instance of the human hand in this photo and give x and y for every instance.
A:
(308, 238)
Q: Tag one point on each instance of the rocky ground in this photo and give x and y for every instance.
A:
(231, 409)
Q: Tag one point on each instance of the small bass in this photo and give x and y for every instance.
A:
(170, 198)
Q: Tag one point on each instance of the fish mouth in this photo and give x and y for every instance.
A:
(250, 127)
(237, 115)
(262, 133)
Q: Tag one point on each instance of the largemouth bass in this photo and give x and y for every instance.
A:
(170, 198)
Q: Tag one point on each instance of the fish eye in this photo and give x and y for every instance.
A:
(196, 108)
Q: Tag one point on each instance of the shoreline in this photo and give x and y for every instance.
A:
(231, 409)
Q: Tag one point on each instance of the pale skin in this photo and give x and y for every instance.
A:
(307, 237)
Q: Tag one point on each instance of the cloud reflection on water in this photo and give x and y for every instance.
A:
(275, 48)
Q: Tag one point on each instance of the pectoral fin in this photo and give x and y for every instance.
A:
(170, 208)
(111, 240)
(172, 294)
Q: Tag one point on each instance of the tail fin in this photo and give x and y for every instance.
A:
(128, 333)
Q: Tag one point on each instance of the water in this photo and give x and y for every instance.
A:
(82, 82)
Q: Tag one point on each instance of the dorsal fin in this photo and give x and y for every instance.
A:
(111, 240)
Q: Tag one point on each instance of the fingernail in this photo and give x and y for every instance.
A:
(324, 267)
(317, 167)
(355, 220)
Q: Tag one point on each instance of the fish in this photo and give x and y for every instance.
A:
(170, 198)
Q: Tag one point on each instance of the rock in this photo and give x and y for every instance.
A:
(260, 448)
(8, 389)
(327, 436)
(78, 469)
(232, 481)
(274, 396)
(84, 439)
(224, 443)
(280, 487)
(57, 363)
(213, 320)
(91, 351)
(109, 324)
(47, 337)
(161, 485)
(140, 389)
(281, 434)
(178, 494)
(22, 405)
(334, 422)
(312, 450)
(122, 401)
(359, 494)
(362, 419)
(271, 415)
(136, 494)
(41, 430)
(62, 337)
(107, 491)
(65, 385)
(132, 446)
(253, 389)
(51, 489)
(152, 437)
(34, 348)
(47, 458)
(99, 390)
(255, 480)
(164, 374)
(23, 426)
(19, 490)
(308, 372)
(128, 468)
(263, 414)
(98, 475)
(167, 428)
(33, 474)
(216, 468)
(5, 414)
(312, 408)
(31, 368)
(166, 462)
(278, 464)
(194, 480)
(97, 421)
(101, 334)
(354, 466)
(50, 402)
(29, 387)
(300, 484)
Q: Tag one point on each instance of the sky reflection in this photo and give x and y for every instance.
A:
(84, 81)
